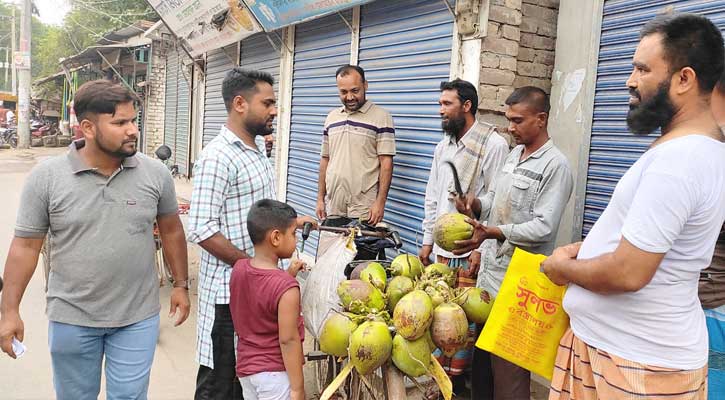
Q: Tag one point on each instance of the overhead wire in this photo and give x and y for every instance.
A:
(100, 12)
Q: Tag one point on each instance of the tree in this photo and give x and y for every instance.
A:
(86, 23)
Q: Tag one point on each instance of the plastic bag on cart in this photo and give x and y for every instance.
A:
(319, 297)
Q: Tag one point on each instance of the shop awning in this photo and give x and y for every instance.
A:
(110, 52)
(275, 14)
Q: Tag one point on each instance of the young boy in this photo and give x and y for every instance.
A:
(265, 307)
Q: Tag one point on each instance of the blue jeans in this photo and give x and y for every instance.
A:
(77, 354)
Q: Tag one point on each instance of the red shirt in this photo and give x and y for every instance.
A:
(255, 295)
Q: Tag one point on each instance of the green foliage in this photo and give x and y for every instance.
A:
(86, 23)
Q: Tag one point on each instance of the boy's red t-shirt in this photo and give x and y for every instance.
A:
(255, 295)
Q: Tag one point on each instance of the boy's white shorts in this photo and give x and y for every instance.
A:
(266, 386)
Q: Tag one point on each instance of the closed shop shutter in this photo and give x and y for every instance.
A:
(405, 49)
(258, 53)
(176, 111)
(321, 46)
(218, 63)
(613, 148)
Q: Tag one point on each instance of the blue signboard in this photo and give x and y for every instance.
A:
(275, 14)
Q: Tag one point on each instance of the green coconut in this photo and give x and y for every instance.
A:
(406, 265)
(411, 357)
(335, 334)
(413, 314)
(370, 346)
(429, 340)
(398, 287)
(477, 304)
(374, 274)
(441, 270)
(449, 329)
(355, 274)
(449, 228)
(356, 295)
(435, 295)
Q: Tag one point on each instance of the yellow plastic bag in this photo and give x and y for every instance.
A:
(527, 320)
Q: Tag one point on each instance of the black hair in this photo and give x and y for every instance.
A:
(465, 91)
(348, 68)
(690, 40)
(242, 82)
(101, 97)
(534, 97)
(720, 87)
(266, 215)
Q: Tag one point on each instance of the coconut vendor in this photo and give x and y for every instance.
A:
(359, 134)
(522, 209)
(477, 152)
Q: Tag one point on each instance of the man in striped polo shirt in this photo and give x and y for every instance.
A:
(358, 146)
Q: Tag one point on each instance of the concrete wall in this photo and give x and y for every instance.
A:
(154, 113)
(572, 99)
(517, 51)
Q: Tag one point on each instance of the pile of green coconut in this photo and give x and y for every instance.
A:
(403, 319)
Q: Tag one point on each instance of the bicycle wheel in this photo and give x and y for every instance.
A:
(326, 369)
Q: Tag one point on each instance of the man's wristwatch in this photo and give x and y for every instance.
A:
(182, 284)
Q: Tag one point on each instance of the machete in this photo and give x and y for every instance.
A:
(456, 181)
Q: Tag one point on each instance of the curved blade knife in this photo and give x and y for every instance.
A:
(456, 180)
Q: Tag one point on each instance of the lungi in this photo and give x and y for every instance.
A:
(583, 372)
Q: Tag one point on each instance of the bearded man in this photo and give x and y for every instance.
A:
(637, 327)
(477, 151)
(98, 204)
(231, 173)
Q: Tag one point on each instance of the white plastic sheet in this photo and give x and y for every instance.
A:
(319, 296)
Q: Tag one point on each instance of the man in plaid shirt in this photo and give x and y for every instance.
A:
(231, 173)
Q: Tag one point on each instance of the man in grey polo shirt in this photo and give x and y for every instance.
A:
(98, 204)
(523, 209)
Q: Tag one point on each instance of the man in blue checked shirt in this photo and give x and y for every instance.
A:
(231, 173)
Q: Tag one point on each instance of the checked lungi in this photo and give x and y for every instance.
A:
(583, 372)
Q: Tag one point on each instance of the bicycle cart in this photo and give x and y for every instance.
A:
(385, 382)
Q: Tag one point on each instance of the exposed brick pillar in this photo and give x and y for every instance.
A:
(517, 51)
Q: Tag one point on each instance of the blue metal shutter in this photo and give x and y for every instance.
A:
(218, 63)
(176, 111)
(405, 49)
(258, 53)
(613, 148)
(321, 46)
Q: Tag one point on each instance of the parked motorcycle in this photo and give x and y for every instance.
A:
(9, 136)
(164, 153)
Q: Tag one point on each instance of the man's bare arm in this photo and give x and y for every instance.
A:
(221, 248)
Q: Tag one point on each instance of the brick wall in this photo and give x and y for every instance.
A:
(518, 51)
(155, 101)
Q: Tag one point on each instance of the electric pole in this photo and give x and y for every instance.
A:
(22, 61)
(12, 55)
